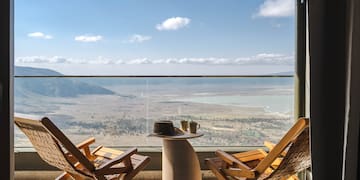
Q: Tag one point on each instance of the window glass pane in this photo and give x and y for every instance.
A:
(241, 52)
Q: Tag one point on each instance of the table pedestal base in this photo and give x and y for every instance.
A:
(179, 161)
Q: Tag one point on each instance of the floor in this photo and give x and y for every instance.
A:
(143, 175)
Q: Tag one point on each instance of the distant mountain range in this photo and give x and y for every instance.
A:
(52, 87)
(30, 71)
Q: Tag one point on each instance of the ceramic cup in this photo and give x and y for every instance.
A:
(184, 125)
(194, 126)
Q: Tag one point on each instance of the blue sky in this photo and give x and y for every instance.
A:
(148, 36)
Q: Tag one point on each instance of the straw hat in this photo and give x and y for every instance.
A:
(165, 128)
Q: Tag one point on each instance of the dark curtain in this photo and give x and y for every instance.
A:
(6, 124)
(334, 88)
(352, 125)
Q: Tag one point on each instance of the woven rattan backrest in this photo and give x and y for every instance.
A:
(297, 158)
(44, 144)
(49, 143)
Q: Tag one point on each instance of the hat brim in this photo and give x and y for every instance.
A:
(178, 132)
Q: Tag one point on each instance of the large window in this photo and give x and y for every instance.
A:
(110, 69)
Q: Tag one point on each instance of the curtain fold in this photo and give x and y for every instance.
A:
(327, 51)
(334, 51)
(352, 124)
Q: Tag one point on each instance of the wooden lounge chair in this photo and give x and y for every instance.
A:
(78, 162)
(290, 156)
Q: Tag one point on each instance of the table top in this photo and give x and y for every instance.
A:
(181, 135)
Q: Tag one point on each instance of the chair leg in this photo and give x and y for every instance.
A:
(64, 176)
(100, 177)
(135, 170)
(219, 175)
(68, 176)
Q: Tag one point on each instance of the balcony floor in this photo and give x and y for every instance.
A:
(143, 175)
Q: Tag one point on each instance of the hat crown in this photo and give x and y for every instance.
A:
(164, 127)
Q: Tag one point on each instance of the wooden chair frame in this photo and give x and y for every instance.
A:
(101, 163)
(237, 165)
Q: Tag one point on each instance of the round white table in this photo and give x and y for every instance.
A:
(179, 160)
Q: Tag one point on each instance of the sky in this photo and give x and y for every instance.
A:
(156, 37)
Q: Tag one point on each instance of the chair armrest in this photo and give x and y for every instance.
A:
(271, 146)
(228, 158)
(239, 173)
(82, 146)
(122, 157)
(85, 147)
(252, 155)
(85, 143)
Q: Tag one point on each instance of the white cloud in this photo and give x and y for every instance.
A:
(137, 38)
(64, 60)
(259, 59)
(277, 8)
(139, 61)
(267, 59)
(88, 38)
(42, 59)
(39, 35)
(173, 23)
